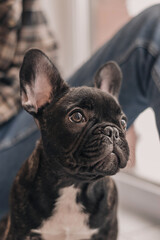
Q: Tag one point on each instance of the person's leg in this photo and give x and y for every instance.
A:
(17, 140)
(154, 94)
(135, 47)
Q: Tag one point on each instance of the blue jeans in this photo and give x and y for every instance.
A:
(136, 47)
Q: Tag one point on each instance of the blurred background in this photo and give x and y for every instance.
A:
(81, 27)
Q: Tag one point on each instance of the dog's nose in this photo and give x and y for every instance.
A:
(112, 133)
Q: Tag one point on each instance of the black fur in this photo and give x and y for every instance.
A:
(83, 153)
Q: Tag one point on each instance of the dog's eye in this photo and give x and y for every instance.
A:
(77, 117)
(124, 124)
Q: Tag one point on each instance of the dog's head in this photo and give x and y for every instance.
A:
(83, 129)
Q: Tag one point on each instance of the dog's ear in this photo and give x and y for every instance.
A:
(40, 81)
(108, 78)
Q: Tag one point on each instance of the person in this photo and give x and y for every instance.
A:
(22, 26)
(136, 49)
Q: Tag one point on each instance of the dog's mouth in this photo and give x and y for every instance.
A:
(105, 166)
(98, 157)
(115, 156)
(96, 153)
(108, 165)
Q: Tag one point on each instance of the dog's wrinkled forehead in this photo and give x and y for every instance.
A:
(102, 104)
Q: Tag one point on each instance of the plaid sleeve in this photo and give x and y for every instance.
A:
(34, 32)
(10, 15)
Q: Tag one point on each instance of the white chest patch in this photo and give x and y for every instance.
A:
(68, 222)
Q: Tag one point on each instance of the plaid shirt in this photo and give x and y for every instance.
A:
(22, 26)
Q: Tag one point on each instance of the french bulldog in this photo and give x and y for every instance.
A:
(64, 190)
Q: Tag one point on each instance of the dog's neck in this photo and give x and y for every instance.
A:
(56, 175)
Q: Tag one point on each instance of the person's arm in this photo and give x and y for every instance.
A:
(22, 26)
(10, 20)
(10, 17)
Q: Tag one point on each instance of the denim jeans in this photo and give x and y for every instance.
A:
(136, 48)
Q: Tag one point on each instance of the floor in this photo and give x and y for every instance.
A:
(135, 227)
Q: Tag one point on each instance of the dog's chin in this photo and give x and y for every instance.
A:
(109, 165)
(106, 166)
